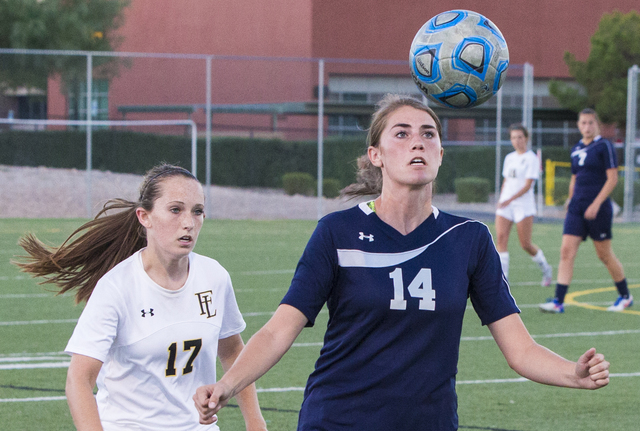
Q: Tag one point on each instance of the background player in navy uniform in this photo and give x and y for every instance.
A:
(395, 274)
(517, 204)
(157, 314)
(594, 175)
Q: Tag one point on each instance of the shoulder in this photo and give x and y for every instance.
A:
(447, 221)
(205, 264)
(356, 214)
(512, 155)
(124, 269)
(604, 144)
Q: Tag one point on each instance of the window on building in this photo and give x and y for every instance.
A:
(99, 101)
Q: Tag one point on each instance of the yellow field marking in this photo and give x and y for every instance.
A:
(570, 298)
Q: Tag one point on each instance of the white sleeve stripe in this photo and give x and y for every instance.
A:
(611, 156)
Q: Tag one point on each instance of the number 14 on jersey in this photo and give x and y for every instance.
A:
(420, 287)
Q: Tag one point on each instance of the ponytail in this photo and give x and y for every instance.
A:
(98, 245)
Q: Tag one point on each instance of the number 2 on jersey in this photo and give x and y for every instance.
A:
(173, 351)
(420, 287)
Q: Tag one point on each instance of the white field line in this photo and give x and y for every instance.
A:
(25, 295)
(249, 314)
(35, 366)
(300, 389)
(17, 361)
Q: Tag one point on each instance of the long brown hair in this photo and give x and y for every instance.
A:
(369, 177)
(103, 242)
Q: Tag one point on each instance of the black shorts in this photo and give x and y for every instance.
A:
(598, 229)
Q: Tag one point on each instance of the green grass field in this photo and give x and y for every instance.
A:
(261, 257)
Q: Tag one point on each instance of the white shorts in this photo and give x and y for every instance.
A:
(516, 213)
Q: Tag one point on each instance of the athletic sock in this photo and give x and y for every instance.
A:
(622, 288)
(504, 260)
(540, 259)
(561, 292)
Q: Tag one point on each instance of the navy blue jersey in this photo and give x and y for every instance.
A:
(396, 304)
(589, 163)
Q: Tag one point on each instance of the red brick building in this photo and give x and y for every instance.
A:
(538, 32)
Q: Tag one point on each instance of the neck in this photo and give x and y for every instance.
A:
(404, 210)
(169, 273)
(589, 140)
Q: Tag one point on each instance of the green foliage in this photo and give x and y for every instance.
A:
(472, 189)
(57, 24)
(330, 188)
(615, 47)
(236, 162)
(298, 183)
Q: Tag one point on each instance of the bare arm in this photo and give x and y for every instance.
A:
(521, 192)
(537, 363)
(262, 352)
(228, 351)
(81, 379)
(612, 179)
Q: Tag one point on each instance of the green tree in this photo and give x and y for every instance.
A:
(87, 25)
(615, 47)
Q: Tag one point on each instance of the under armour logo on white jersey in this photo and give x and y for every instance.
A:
(144, 313)
(363, 236)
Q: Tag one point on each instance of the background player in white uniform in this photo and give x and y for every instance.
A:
(395, 275)
(517, 204)
(157, 314)
(594, 175)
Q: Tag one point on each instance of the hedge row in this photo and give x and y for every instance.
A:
(235, 161)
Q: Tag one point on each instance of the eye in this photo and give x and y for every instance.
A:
(401, 134)
(174, 210)
(198, 211)
(429, 134)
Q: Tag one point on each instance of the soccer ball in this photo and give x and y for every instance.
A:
(459, 59)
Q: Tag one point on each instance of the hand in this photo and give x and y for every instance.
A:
(592, 370)
(504, 204)
(592, 211)
(209, 400)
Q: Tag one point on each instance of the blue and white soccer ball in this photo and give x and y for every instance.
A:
(459, 59)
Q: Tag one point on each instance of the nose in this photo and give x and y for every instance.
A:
(188, 222)
(417, 144)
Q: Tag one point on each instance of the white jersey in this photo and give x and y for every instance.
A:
(517, 169)
(157, 346)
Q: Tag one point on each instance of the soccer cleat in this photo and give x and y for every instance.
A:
(621, 303)
(552, 307)
(547, 275)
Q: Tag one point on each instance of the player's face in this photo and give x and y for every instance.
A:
(175, 221)
(409, 151)
(518, 140)
(588, 126)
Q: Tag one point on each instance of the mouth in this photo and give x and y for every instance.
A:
(185, 238)
(418, 161)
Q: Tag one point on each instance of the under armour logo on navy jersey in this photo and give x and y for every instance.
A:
(205, 299)
(363, 236)
(144, 313)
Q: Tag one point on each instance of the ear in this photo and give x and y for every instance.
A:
(143, 217)
(374, 156)
(441, 155)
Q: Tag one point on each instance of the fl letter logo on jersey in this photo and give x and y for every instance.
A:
(204, 298)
